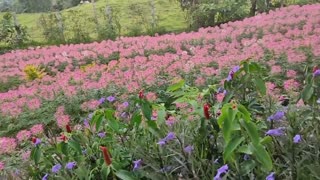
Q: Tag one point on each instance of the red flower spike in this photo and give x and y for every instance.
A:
(106, 155)
(63, 138)
(33, 139)
(206, 108)
(141, 94)
(68, 128)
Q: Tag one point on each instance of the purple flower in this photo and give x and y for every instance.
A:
(235, 69)
(90, 116)
(318, 101)
(125, 104)
(316, 73)
(56, 168)
(297, 138)
(162, 142)
(37, 142)
(270, 176)
(231, 73)
(137, 164)
(276, 132)
(111, 98)
(102, 134)
(229, 78)
(45, 177)
(222, 170)
(277, 116)
(170, 136)
(70, 165)
(102, 100)
(86, 123)
(188, 149)
(124, 114)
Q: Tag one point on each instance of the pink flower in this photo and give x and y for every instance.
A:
(276, 69)
(90, 105)
(61, 118)
(270, 87)
(37, 129)
(291, 74)
(7, 145)
(1, 166)
(151, 96)
(300, 103)
(220, 97)
(290, 85)
(23, 135)
(170, 121)
(25, 155)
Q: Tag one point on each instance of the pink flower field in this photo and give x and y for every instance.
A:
(282, 41)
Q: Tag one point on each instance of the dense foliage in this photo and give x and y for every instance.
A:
(239, 101)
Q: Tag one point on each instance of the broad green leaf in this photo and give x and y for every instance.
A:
(224, 115)
(252, 131)
(307, 92)
(125, 175)
(161, 116)
(245, 113)
(136, 119)
(36, 154)
(266, 140)
(228, 125)
(75, 145)
(262, 156)
(98, 123)
(153, 128)
(105, 171)
(146, 109)
(109, 114)
(176, 86)
(231, 147)
(261, 86)
(97, 115)
(245, 149)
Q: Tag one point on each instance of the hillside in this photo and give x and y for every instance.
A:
(170, 15)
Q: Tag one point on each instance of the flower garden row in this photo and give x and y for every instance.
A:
(78, 79)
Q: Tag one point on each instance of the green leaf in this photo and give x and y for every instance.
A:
(153, 128)
(228, 125)
(252, 131)
(36, 154)
(307, 92)
(245, 113)
(231, 147)
(176, 86)
(146, 109)
(108, 114)
(125, 175)
(261, 86)
(75, 145)
(245, 149)
(98, 122)
(262, 156)
(97, 115)
(136, 119)
(266, 140)
(105, 171)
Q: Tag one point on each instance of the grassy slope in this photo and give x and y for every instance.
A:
(170, 15)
